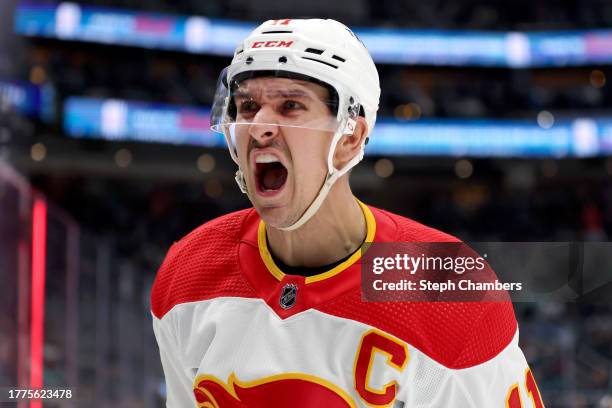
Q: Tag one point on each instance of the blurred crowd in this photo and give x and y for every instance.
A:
(467, 14)
(494, 204)
(408, 93)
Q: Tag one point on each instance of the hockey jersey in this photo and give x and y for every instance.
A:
(234, 331)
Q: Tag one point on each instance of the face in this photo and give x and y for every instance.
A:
(282, 140)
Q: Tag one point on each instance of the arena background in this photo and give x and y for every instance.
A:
(495, 125)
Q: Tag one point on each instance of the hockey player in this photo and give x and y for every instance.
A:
(263, 308)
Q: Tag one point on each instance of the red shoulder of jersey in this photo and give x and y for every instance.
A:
(395, 228)
(203, 265)
(455, 334)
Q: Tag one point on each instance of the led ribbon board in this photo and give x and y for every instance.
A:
(196, 34)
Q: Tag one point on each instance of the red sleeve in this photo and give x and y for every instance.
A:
(203, 265)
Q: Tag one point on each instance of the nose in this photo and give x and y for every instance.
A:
(265, 125)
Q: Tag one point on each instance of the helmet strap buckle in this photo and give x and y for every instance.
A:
(240, 181)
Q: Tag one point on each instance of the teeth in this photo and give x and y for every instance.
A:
(266, 158)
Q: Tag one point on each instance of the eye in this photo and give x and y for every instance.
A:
(247, 108)
(292, 106)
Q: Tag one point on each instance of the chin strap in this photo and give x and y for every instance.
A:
(333, 174)
(240, 181)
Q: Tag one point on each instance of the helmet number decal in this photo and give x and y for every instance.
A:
(284, 21)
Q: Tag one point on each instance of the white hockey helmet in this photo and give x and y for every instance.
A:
(322, 51)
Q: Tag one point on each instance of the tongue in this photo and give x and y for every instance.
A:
(274, 176)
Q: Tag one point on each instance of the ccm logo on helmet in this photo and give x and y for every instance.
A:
(272, 44)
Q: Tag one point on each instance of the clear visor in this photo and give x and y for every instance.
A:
(275, 98)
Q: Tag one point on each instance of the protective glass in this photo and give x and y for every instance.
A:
(278, 98)
(275, 98)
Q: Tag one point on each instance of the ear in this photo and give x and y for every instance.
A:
(349, 145)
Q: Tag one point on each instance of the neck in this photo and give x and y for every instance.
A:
(336, 230)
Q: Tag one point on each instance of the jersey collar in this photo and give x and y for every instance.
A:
(266, 257)
(271, 283)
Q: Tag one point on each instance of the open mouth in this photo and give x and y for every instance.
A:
(270, 174)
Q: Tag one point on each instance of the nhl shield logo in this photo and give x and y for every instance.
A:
(288, 296)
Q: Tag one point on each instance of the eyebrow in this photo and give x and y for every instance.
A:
(290, 93)
(295, 93)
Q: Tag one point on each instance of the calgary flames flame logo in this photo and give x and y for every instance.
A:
(291, 390)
